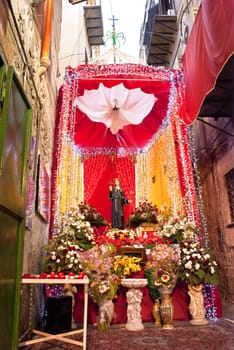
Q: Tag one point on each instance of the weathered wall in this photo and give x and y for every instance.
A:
(21, 35)
(215, 151)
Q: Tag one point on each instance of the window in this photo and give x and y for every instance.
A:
(229, 177)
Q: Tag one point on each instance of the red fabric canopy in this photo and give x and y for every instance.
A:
(210, 45)
(93, 137)
(91, 134)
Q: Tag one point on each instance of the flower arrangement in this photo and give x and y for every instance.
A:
(74, 235)
(97, 265)
(146, 212)
(196, 264)
(92, 215)
(105, 270)
(124, 265)
(76, 228)
(161, 268)
(103, 284)
(176, 229)
(115, 233)
(122, 240)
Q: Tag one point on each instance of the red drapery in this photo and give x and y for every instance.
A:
(96, 143)
(210, 45)
(92, 137)
(99, 172)
(90, 134)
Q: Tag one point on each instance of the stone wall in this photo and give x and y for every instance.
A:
(21, 37)
(215, 152)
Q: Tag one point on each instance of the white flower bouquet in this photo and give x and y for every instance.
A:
(196, 264)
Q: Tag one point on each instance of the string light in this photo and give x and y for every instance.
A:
(68, 169)
(209, 300)
(69, 156)
(208, 290)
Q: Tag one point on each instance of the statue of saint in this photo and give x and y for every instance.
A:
(117, 196)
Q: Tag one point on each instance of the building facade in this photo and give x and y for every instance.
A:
(29, 43)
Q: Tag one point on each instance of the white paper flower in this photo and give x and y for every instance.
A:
(116, 107)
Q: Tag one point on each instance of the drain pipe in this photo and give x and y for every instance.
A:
(45, 61)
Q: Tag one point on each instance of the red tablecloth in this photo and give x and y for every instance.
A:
(180, 301)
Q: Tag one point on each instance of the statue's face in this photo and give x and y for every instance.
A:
(117, 183)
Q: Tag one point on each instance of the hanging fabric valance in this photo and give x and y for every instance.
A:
(120, 109)
(210, 45)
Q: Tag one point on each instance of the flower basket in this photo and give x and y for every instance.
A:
(92, 215)
(161, 268)
(145, 213)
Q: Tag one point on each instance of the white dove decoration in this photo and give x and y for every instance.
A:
(116, 107)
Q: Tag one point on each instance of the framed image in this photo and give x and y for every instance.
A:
(29, 202)
(132, 251)
(43, 191)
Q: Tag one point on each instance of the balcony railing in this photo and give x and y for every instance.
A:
(159, 32)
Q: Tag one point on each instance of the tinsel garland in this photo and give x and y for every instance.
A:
(172, 173)
(67, 154)
(122, 71)
(198, 187)
(208, 290)
(180, 132)
(209, 300)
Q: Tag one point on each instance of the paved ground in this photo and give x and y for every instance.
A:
(217, 335)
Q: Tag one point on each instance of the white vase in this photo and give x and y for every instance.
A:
(196, 305)
(105, 315)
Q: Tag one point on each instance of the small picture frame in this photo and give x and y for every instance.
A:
(133, 251)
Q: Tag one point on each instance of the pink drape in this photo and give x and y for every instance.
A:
(210, 45)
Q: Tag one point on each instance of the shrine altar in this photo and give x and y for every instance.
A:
(139, 247)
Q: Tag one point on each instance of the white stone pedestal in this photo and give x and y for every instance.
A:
(134, 298)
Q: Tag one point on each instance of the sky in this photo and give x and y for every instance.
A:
(130, 19)
(130, 15)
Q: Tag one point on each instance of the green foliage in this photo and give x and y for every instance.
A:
(154, 293)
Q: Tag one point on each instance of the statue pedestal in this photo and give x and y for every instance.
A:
(134, 298)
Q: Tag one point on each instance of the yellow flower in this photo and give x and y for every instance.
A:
(123, 265)
(165, 278)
